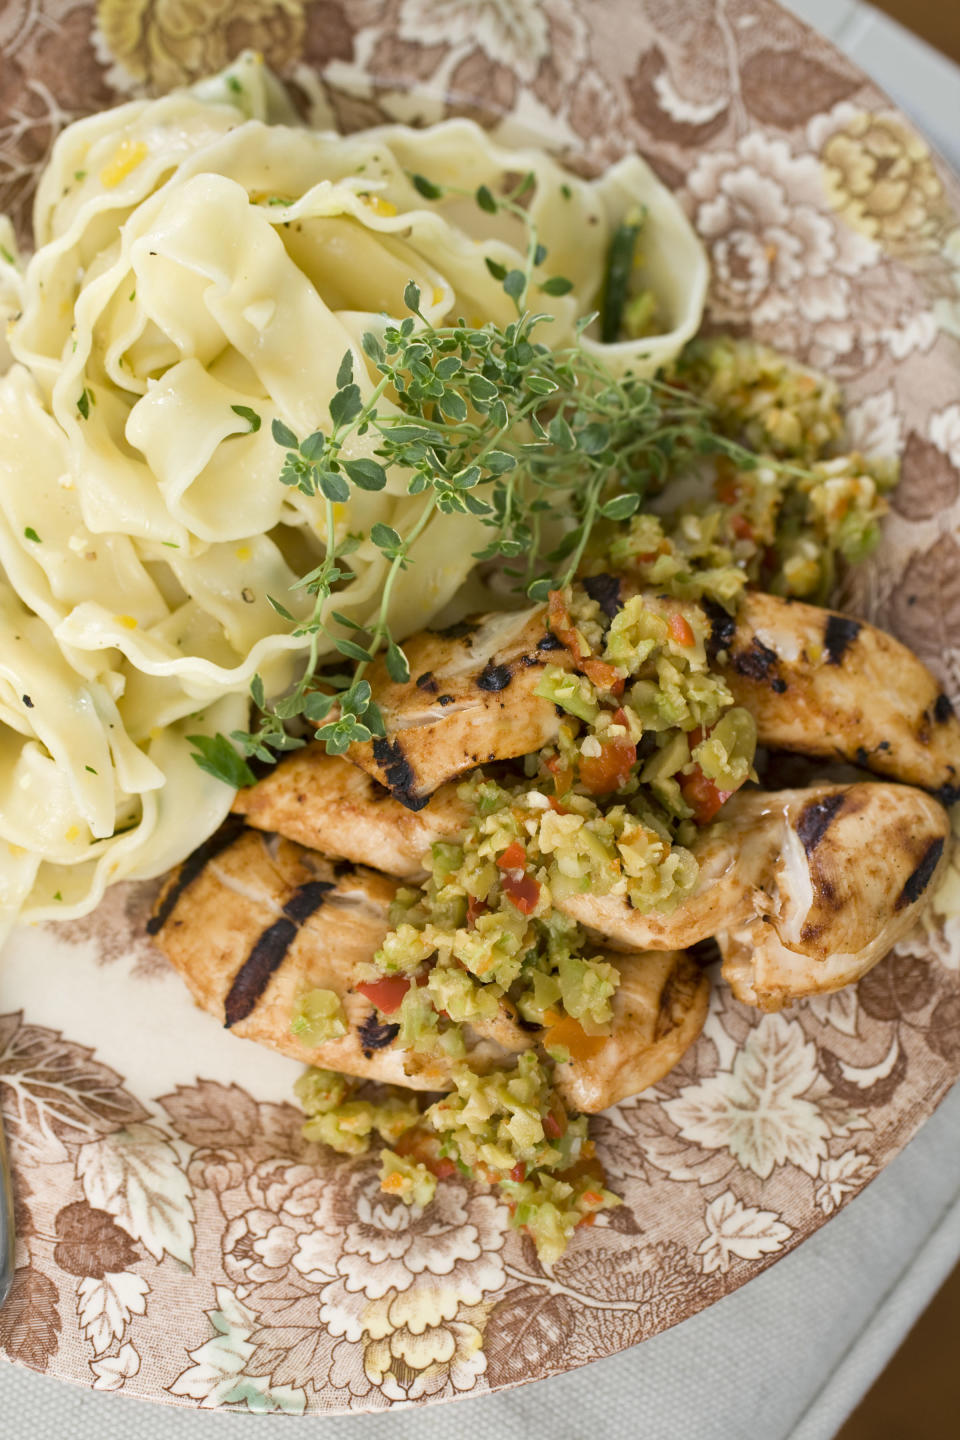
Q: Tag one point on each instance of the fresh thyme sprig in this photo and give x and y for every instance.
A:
(536, 443)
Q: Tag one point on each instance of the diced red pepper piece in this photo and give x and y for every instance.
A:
(519, 1172)
(610, 770)
(562, 775)
(555, 1124)
(519, 887)
(522, 890)
(702, 795)
(558, 617)
(742, 528)
(475, 907)
(680, 631)
(513, 858)
(604, 676)
(726, 489)
(387, 994)
(423, 1147)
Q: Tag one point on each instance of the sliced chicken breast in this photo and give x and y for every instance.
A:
(251, 925)
(857, 867)
(821, 683)
(254, 925)
(658, 1012)
(327, 804)
(816, 681)
(756, 858)
(471, 699)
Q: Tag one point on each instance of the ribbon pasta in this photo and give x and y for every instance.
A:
(194, 254)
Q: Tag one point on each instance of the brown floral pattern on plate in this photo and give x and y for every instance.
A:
(162, 1185)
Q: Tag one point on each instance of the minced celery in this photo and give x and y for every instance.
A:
(318, 1017)
(586, 988)
(572, 693)
(409, 1180)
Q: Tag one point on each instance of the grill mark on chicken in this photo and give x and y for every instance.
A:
(427, 682)
(605, 590)
(815, 820)
(193, 866)
(376, 1034)
(920, 878)
(757, 664)
(839, 635)
(270, 950)
(400, 779)
(549, 642)
(494, 677)
(942, 709)
(723, 628)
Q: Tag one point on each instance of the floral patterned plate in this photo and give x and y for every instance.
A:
(177, 1239)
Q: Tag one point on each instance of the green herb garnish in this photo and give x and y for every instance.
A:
(616, 284)
(31, 534)
(251, 417)
(493, 423)
(218, 757)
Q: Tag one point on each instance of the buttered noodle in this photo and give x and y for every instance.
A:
(193, 255)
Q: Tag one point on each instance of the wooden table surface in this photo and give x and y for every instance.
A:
(936, 21)
(918, 1395)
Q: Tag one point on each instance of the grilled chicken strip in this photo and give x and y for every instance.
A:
(658, 1012)
(470, 700)
(327, 804)
(821, 683)
(874, 854)
(815, 680)
(251, 925)
(757, 858)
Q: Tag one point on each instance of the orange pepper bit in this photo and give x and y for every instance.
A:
(680, 630)
(571, 1034)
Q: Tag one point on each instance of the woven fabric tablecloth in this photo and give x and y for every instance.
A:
(790, 1355)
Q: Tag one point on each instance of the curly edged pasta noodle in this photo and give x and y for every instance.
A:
(196, 254)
